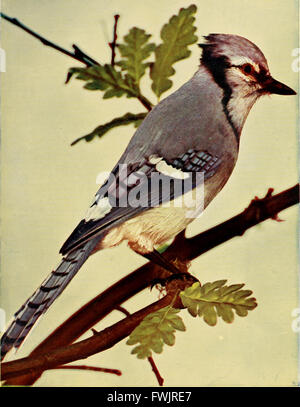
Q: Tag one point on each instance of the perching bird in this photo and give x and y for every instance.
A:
(196, 130)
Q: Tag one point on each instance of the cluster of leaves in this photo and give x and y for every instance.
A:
(123, 79)
(209, 301)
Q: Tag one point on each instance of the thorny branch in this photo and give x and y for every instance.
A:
(27, 370)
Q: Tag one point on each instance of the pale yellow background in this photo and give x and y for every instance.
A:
(47, 186)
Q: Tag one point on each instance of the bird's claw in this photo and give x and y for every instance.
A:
(176, 276)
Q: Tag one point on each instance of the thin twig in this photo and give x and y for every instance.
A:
(145, 102)
(156, 371)
(78, 54)
(114, 44)
(92, 368)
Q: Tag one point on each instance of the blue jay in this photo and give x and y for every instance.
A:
(196, 130)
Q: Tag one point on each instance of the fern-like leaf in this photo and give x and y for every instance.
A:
(134, 51)
(99, 131)
(154, 331)
(106, 78)
(214, 300)
(177, 35)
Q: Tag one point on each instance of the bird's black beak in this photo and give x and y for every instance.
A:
(270, 85)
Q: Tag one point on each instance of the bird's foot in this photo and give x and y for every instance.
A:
(175, 276)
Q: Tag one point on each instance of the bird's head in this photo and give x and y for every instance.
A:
(238, 63)
(240, 68)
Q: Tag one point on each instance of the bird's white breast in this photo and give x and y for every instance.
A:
(157, 225)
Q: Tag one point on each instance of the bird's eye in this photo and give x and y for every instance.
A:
(247, 69)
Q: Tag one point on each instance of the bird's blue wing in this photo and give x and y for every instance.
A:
(132, 189)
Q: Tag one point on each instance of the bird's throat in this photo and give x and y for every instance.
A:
(237, 108)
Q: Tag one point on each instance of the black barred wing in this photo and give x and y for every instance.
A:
(197, 161)
(130, 190)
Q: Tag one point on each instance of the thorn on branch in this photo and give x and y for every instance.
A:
(122, 309)
(277, 218)
(269, 194)
(258, 206)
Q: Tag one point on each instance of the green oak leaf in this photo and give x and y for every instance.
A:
(177, 35)
(154, 331)
(215, 299)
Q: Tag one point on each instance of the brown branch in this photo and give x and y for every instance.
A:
(187, 249)
(94, 311)
(83, 349)
(113, 44)
(91, 368)
(258, 211)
